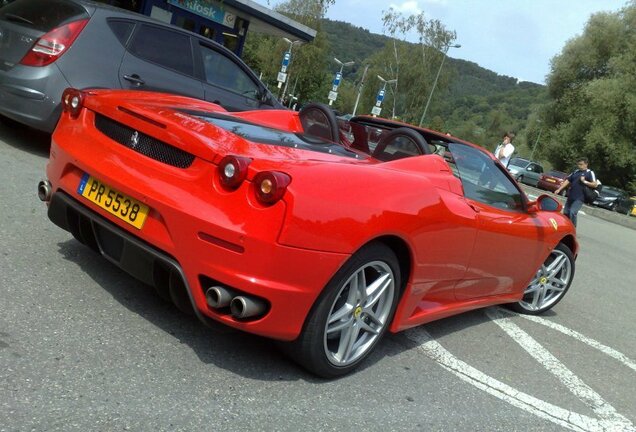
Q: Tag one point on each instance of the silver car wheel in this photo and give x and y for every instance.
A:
(359, 313)
(549, 284)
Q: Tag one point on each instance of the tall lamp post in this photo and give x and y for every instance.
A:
(286, 63)
(333, 94)
(534, 147)
(378, 100)
(430, 96)
(364, 74)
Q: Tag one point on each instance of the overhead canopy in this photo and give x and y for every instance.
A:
(267, 21)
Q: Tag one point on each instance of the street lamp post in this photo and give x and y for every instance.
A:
(364, 74)
(287, 62)
(333, 94)
(534, 147)
(430, 96)
(378, 101)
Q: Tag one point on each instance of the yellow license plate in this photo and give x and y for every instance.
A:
(551, 180)
(114, 202)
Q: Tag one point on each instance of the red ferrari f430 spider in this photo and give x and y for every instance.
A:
(287, 225)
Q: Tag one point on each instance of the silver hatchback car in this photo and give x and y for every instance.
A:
(49, 45)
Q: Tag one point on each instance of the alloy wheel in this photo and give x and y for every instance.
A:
(359, 313)
(549, 284)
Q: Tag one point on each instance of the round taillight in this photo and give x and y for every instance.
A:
(233, 170)
(270, 186)
(72, 102)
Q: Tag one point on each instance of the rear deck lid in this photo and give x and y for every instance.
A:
(22, 23)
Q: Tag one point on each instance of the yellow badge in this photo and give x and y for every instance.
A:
(554, 224)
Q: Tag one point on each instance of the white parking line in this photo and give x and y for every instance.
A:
(610, 419)
(573, 383)
(582, 338)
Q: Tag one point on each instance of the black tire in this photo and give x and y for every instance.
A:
(564, 273)
(312, 349)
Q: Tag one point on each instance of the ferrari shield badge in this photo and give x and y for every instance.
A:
(554, 224)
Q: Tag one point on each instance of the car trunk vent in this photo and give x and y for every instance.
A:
(142, 143)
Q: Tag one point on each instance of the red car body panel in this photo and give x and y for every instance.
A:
(455, 248)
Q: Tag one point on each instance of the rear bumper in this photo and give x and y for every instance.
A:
(204, 236)
(31, 95)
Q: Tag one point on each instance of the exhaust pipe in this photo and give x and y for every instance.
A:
(44, 190)
(247, 307)
(218, 297)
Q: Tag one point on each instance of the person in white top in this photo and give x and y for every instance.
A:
(504, 151)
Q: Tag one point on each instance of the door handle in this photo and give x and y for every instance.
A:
(135, 79)
(473, 206)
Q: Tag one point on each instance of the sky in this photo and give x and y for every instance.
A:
(517, 38)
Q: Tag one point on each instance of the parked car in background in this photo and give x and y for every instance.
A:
(551, 180)
(49, 45)
(613, 198)
(525, 171)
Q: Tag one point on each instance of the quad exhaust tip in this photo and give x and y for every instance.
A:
(44, 190)
(241, 306)
(247, 307)
(218, 297)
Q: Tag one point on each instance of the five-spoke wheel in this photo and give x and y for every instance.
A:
(550, 283)
(351, 315)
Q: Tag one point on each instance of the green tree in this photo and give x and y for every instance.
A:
(592, 112)
(308, 71)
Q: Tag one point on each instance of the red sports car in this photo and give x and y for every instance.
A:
(276, 223)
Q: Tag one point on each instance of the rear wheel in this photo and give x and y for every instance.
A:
(351, 315)
(551, 282)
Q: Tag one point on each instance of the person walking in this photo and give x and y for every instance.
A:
(577, 181)
(504, 151)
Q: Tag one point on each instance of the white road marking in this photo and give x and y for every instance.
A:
(610, 420)
(582, 338)
(490, 385)
(573, 383)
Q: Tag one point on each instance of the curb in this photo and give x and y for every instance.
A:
(608, 215)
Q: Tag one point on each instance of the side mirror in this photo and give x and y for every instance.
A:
(544, 203)
(264, 96)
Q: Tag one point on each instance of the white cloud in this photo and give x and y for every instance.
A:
(409, 7)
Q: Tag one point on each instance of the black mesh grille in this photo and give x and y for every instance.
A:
(144, 144)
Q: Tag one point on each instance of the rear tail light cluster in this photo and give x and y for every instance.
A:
(53, 44)
(72, 102)
(269, 186)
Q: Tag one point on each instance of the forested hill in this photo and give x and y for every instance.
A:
(478, 104)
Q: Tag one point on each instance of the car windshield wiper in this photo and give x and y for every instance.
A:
(13, 17)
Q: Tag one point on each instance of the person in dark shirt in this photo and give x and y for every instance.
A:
(577, 181)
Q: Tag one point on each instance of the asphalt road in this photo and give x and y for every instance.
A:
(84, 347)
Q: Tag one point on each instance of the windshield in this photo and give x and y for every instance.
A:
(521, 163)
(611, 192)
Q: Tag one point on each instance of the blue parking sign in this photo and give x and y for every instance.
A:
(286, 58)
(336, 80)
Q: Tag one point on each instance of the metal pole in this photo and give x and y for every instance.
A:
(534, 147)
(291, 45)
(364, 74)
(430, 96)
(341, 68)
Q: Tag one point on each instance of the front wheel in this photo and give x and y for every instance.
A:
(351, 315)
(550, 283)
